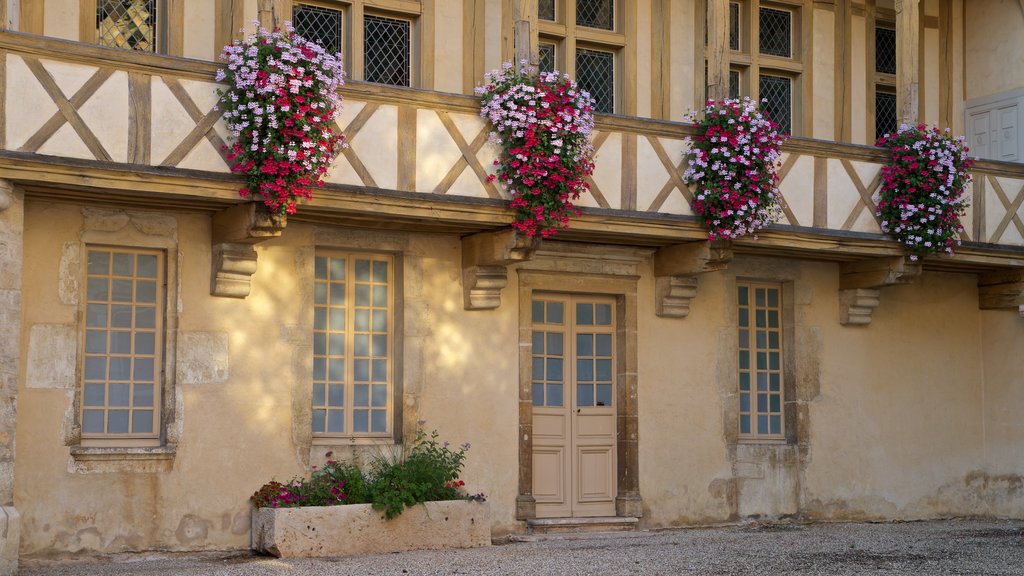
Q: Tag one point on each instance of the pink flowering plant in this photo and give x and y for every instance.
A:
(542, 121)
(732, 163)
(922, 195)
(281, 98)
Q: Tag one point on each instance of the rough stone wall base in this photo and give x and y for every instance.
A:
(10, 537)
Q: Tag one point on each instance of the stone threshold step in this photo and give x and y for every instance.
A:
(591, 524)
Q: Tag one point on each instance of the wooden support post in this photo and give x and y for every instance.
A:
(1001, 290)
(485, 260)
(676, 269)
(526, 42)
(908, 26)
(860, 284)
(234, 233)
(718, 49)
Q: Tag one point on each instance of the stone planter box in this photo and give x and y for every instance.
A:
(359, 529)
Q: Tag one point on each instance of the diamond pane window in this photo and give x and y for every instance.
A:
(595, 73)
(387, 50)
(734, 26)
(734, 84)
(547, 57)
(546, 10)
(778, 91)
(776, 31)
(885, 50)
(596, 14)
(319, 24)
(128, 24)
(885, 113)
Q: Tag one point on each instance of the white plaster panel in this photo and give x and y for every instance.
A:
(66, 142)
(824, 76)
(204, 157)
(60, 20)
(170, 123)
(842, 194)
(69, 77)
(487, 156)
(436, 152)
(968, 218)
(106, 114)
(1012, 189)
(930, 65)
(448, 46)
(651, 174)
(866, 171)
(676, 204)
(866, 222)
(469, 125)
(204, 94)
(28, 107)
(683, 73)
(199, 34)
(643, 59)
(203, 358)
(468, 184)
(377, 146)
(859, 82)
(52, 355)
(994, 211)
(798, 190)
(341, 172)
(607, 172)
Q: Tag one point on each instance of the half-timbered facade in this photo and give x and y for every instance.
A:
(165, 349)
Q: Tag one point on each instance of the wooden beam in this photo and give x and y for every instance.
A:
(718, 49)
(1001, 290)
(527, 48)
(908, 26)
(878, 272)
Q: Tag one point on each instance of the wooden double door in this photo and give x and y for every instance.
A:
(574, 405)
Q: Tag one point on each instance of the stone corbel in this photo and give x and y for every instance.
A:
(485, 260)
(860, 285)
(6, 194)
(235, 231)
(1000, 290)
(676, 269)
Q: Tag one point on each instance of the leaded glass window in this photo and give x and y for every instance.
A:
(547, 57)
(129, 24)
(596, 14)
(885, 113)
(778, 91)
(595, 73)
(121, 364)
(387, 50)
(546, 10)
(760, 360)
(352, 344)
(734, 84)
(320, 25)
(885, 50)
(734, 26)
(776, 32)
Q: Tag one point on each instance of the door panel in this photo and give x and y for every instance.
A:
(574, 434)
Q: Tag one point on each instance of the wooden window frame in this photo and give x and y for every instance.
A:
(878, 81)
(783, 393)
(170, 26)
(393, 429)
(161, 356)
(417, 12)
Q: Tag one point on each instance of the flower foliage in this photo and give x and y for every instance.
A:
(733, 162)
(922, 195)
(543, 124)
(281, 98)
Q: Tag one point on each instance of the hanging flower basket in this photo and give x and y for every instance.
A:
(733, 163)
(281, 99)
(542, 123)
(922, 196)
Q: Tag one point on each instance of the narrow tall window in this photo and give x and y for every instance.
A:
(886, 117)
(778, 93)
(760, 360)
(776, 32)
(319, 24)
(352, 345)
(121, 371)
(387, 50)
(595, 73)
(129, 24)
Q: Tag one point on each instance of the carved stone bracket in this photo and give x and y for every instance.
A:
(676, 269)
(1000, 290)
(860, 283)
(235, 231)
(485, 260)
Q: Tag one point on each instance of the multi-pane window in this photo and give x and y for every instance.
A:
(319, 24)
(352, 345)
(129, 24)
(777, 91)
(123, 344)
(776, 32)
(886, 119)
(885, 49)
(387, 50)
(760, 360)
(588, 49)
(573, 352)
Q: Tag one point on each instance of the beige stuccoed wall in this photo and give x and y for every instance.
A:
(994, 47)
(1003, 404)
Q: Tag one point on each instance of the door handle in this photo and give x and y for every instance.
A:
(578, 410)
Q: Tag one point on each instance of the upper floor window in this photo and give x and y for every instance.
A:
(387, 50)
(589, 49)
(122, 363)
(130, 24)
(320, 24)
(886, 118)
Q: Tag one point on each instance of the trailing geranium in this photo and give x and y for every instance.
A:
(922, 195)
(282, 96)
(543, 124)
(732, 162)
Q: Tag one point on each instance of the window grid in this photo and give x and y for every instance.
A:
(734, 83)
(885, 50)
(886, 121)
(128, 24)
(760, 361)
(734, 26)
(595, 73)
(546, 10)
(572, 344)
(593, 373)
(548, 364)
(547, 61)
(387, 50)
(352, 331)
(776, 32)
(121, 368)
(319, 24)
(778, 91)
(596, 14)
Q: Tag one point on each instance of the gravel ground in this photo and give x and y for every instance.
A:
(940, 547)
